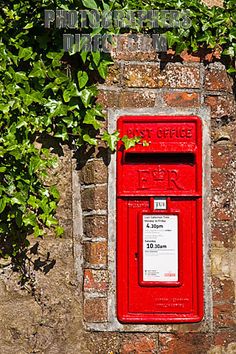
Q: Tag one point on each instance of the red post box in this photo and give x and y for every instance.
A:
(159, 220)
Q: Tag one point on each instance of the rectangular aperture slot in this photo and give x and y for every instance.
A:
(159, 158)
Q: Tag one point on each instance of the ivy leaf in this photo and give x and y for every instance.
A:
(59, 230)
(90, 4)
(25, 53)
(171, 39)
(86, 95)
(20, 76)
(105, 6)
(75, 48)
(60, 80)
(230, 51)
(70, 92)
(82, 78)
(19, 198)
(96, 57)
(3, 204)
(102, 69)
(18, 218)
(88, 139)
(63, 135)
(130, 142)
(67, 95)
(111, 139)
(4, 107)
(96, 31)
(32, 201)
(56, 58)
(51, 221)
(27, 100)
(29, 219)
(69, 121)
(37, 231)
(29, 25)
(38, 70)
(84, 55)
(54, 192)
(35, 163)
(231, 70)
(90, 118)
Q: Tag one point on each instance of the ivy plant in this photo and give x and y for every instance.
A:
(46, 93)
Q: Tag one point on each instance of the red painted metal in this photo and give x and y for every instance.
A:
(167, 162)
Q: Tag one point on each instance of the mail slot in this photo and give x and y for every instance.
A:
(159, 220)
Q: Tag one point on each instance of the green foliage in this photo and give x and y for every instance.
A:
(111, 139)
(211, 28)
(130, 142)
(45, 92)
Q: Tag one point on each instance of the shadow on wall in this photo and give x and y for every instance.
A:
(83, 154)
(26, 261)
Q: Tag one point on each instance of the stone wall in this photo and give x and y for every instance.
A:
(68, 311)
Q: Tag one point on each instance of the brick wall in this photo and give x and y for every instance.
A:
(146, 81)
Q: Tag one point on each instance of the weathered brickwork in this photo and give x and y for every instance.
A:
(145, 82)
(72, 297)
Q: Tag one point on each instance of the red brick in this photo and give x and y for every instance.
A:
(221, 156)
(222, 134)
(187, 343)
(94, 172)
(103, 342)
(211, 3)
(95, 280)
(128, 50)
(176, 75)
(224, 337)
(108, 98)
(166, 342)
(218, 80)
(95, 253)
(142, 75)
(219, 179)
(138, 344)
(223, 202)
(222, 214)
(173, 76)
(95, 310)
(170, 51)
(223, 290)
(234, 135)
(95, 226)
(183, 99)
(212, 54)
(114, 75)
(136, 99)
(94, 198)
(185, 56)
(221, 105)
(224, 232)
(224, 315)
